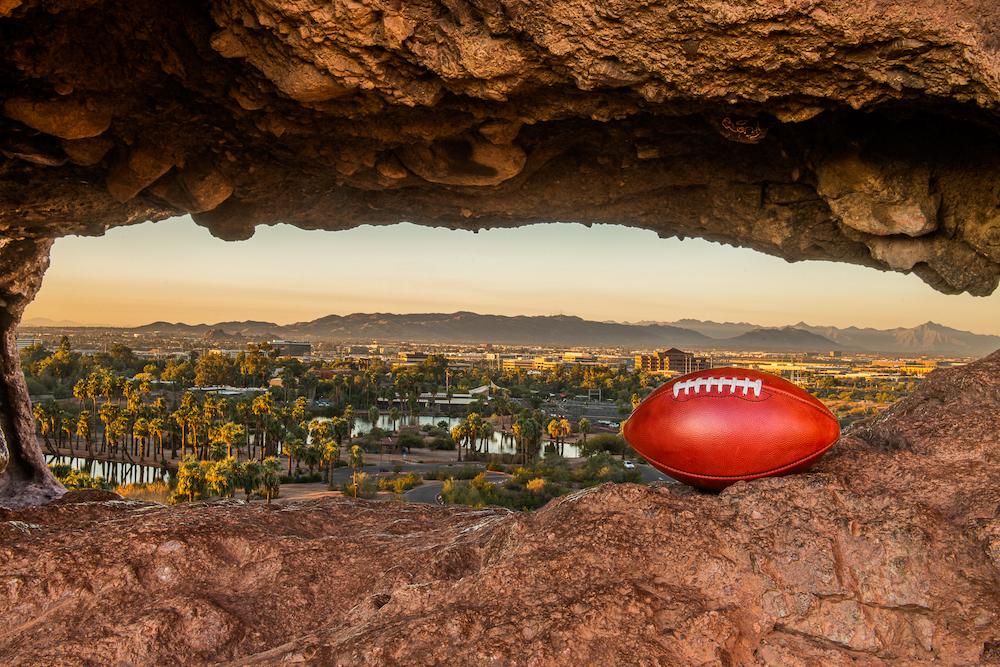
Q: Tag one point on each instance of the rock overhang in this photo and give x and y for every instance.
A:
(802, 130)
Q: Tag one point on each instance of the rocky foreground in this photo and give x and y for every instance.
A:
(889, 553)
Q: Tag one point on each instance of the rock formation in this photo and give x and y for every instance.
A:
(807, 129)
(828, 130)
(887, 554)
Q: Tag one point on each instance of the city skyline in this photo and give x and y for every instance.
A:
(174, 271)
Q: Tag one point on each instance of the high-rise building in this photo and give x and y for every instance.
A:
(289, 348)
(672, 360)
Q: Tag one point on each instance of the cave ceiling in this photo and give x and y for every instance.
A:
(856, 132)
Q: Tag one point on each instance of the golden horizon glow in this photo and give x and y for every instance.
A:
(175, 271)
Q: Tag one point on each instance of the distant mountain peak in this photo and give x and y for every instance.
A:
(570, 330)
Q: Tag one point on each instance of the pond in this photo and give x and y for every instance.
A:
(497, 444)
(114, 472)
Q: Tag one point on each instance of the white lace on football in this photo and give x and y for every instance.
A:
(720, 384)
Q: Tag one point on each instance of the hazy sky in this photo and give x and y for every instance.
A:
(174, 270)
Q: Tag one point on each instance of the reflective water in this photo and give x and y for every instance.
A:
(116, 473)
(497, 444)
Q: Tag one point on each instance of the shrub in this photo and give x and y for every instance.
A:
(442, 442)
(602, 442)
(367, 486)
(154, 492)
(536, 485)
(451, 472)
(74, 479)
(303, 477)
(400, 483)
(410, 440)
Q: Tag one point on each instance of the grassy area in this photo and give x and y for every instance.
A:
(153, 492)
(530, 487)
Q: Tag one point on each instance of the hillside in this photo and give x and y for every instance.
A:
(565, 330)
(460, 327)
(927, 338)
(780, 340)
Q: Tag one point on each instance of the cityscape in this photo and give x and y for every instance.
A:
(176, 413)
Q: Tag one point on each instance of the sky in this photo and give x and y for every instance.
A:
(176, 271)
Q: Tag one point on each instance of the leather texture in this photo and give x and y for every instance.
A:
(716, 427)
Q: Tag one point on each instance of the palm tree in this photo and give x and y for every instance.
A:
(66, 427)
(348, 416)
(262, 408)
(222, 477)
(394, 416)
(373, 415)
(565, 429)
(458, 432)
(83, 430)
(553, 431)
(583, 426)
(485, 432)
(250, 474)
(270, 478)
(341, 429)
(331, 455)
(357, 461)
(157, 427)
(293, 449)
(231, 433)
(44, 422)
(140, 429)
(527, 434)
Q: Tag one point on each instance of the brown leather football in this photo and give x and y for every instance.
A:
(716, 427)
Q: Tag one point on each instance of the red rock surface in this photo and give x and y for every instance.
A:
(888, 553)
(863, 132)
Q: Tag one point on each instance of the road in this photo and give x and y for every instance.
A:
(429, 491)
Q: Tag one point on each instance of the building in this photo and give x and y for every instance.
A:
(672, 361)
(290, 348)
(26, 341)
(514, 364)
(546, 363)
(410, 358)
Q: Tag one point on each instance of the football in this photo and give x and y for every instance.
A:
(715, 427)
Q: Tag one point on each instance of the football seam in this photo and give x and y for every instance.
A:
(825, 411)
(752, 474)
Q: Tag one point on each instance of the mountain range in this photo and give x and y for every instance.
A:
(564, 330)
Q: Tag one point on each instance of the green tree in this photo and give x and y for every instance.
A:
(190, 478)
(331, 455)
(357, 462)
(250, 475)
(223, 477)
(231, 433)
(293, 450)
(270, 478)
